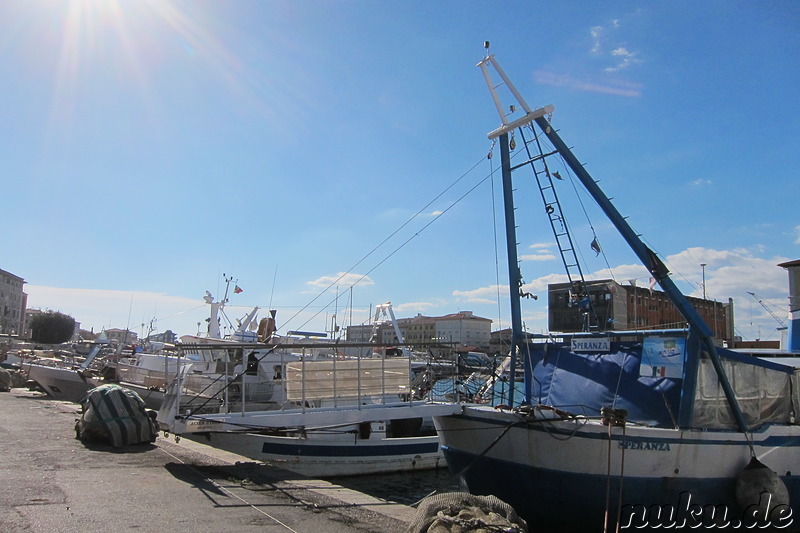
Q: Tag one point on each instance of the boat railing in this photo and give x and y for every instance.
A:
(268, 381)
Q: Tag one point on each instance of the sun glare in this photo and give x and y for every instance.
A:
(144, 55)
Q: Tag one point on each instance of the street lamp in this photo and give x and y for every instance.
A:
(703, 265)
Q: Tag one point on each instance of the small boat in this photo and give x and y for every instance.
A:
(375, 447)
(624, 429)
(329, 414)
(63, 381)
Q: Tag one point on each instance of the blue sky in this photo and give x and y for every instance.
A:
(150, 147)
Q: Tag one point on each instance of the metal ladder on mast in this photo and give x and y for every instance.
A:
(579, 295)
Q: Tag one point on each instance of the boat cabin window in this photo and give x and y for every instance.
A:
(252, 364)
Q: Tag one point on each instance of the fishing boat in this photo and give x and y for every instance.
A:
(623, 429)
(329, 414)
(211, 362)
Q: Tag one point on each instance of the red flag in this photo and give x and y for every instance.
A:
(237, 290)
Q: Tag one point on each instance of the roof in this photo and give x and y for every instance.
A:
(462, 315)
(789, 264)
(7, 273)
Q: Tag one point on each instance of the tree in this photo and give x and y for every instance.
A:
(87, 335)
(51, 327)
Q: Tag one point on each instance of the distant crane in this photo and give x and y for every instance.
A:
(764, 305)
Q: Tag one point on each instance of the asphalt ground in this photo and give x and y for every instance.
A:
(51, 482)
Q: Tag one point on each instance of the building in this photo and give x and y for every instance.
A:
(121, 336)
(464, 328)
(461, 329)
(168, 337)
(420, 328)
(619, 307)
(13, 302)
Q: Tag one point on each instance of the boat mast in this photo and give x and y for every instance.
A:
(514, 274)
(648, 258)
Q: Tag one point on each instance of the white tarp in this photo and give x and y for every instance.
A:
(764, 395)
(331, 379)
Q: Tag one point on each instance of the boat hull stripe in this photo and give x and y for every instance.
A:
(348, 450)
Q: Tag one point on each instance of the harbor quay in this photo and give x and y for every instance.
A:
(52, 482)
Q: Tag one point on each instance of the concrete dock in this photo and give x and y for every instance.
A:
(51, 482)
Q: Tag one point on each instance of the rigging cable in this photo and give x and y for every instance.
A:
(395, 232)
(580, 201)
(494, 233)
(591, 312)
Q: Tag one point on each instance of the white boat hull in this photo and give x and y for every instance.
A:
(560, 466)
(62, 383)
(321, 455)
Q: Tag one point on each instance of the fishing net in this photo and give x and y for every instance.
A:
(116, 415)
(461, 512)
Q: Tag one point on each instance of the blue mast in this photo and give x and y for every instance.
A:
(648, 258)
(514, 274)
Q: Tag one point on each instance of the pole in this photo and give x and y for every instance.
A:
(703, 265)
(514, 275)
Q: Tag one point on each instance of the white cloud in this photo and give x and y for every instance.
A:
(626, 57)
(97, 309)
(537, 257)
(731, 273)
(797, 232)
(614, 87)
(483, 295)
(538, 245)
(414, 307)
(596, 33)
(622, 56)
(341, 278)
(728, 274)
(623, 273)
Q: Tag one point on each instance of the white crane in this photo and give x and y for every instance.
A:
(764, 305)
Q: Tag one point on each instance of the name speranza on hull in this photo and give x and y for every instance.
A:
(624, 429)
(560, 453)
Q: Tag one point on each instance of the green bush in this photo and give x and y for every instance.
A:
(51, 327)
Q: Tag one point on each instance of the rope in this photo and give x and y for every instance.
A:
(608, 482)
(484, 452)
